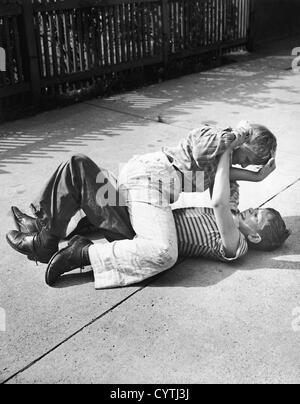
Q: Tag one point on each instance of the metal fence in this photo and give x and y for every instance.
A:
(61, 46)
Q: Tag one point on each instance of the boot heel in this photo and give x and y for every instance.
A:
(32, 258)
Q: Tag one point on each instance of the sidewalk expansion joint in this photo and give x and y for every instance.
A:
(35, 361)
(280, 192)
(133, 115)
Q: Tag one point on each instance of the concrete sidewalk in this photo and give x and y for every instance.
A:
(199, 322)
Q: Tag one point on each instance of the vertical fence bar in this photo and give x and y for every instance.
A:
(39, 47)
(9, 55)
(127, 32)
(111, 41)
(45, 22)
(116, 34)
(17, 50)
(34, 71)
(166, 31)
(122, 33)
(252, 26)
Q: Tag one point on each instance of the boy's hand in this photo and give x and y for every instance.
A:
(243, 134)
(264, 172)
(244, 131)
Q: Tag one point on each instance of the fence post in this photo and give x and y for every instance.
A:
(252, 26)
(31, 48)
(166, 31)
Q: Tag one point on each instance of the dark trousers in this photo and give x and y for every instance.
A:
(75, 185)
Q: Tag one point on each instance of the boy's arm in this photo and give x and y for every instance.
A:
(230, 234)
(239, 174)
(234, 197)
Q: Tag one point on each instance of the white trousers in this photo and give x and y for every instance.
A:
(149, 184)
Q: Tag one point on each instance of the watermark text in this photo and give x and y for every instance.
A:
(296, 319)
(296, 61)
(2, 60)
(2, 320)
(158, 189)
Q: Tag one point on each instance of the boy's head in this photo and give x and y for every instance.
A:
(258, 150)
(264, 228)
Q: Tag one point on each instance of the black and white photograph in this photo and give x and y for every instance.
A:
(150, 194)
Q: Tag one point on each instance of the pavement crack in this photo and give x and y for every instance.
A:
(280, 192)
(73, 335)
(145, 118)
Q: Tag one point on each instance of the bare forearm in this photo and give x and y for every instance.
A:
(237, 174)
(221, 191)
(229, 232)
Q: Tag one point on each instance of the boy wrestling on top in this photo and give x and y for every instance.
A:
(140, 248)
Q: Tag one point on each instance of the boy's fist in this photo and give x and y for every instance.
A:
(266, 170)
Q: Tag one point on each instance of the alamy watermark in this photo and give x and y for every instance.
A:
(296, 319)
(2, 320)
(2, 60)
(296, 61)
(161, 188)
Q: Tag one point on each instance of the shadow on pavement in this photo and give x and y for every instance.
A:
(204, 273)
(248, 84)
(43, 139)
(70, 280)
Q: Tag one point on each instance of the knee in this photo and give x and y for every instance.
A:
(79, 158)
(167, 256)
(81, 162)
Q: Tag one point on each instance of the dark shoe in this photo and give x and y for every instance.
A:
(25, 224)
(32, 246)
(67, 259)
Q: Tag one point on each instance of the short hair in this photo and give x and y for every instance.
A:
(273, 235)
(263, 143)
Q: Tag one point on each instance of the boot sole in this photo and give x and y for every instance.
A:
(75, 238)
(48, 268)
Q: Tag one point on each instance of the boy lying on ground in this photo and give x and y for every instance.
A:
(215, 233)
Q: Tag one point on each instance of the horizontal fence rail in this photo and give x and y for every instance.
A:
(56, 47)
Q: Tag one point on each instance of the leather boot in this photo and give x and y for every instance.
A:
(39, 247)
(25, 224)
(67, 259)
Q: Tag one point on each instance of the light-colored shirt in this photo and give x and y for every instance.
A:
(200, 151)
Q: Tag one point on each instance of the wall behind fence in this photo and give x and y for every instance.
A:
(274, 19)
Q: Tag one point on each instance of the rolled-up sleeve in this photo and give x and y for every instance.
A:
(220, 253)
(208, 143)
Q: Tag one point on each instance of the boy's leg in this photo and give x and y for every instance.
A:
(74, 186)
(152, 251)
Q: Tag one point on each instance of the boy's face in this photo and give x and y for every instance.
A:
(244, 157)
(252, 221)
